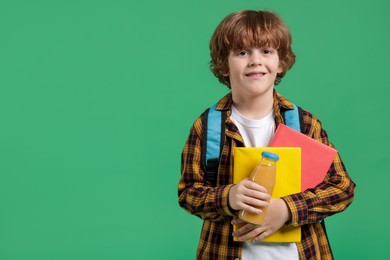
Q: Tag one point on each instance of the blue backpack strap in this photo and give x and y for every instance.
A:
(292, 118)
(213, 143)
(213, 136)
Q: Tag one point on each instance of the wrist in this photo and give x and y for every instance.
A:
(286, 210)
(230, 200)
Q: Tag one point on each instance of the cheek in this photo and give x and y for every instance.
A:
(225, 69)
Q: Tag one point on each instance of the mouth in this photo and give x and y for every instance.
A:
(255, 74)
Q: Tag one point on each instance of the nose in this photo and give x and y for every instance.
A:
(255, 58)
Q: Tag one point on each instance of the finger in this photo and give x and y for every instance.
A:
(258, 209)
(249, 208)
(251, 233)
(237, 221)
(243, 229)
(252, 205)
(256, 194)
(261, 236)
(253, 202)
(254, 186)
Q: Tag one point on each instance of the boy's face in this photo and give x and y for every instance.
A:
(252, 71)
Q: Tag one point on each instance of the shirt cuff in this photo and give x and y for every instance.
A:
(298, 208)
(223, 206)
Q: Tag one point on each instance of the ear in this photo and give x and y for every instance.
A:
(226, 74)
(280, 69)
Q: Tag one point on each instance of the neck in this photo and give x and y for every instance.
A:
(254, 107)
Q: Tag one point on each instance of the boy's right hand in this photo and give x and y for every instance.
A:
(248, 195)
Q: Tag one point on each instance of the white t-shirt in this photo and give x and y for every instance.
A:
(255, 132)
(258, 133)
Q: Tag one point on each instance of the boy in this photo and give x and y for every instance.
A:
(251, 52)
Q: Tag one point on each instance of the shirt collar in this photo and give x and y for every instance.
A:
(280, 101)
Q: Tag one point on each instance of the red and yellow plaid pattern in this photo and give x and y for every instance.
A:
(209, 203)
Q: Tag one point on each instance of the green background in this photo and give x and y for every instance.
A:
(97, 98)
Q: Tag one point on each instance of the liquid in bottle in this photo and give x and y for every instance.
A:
(265, 175)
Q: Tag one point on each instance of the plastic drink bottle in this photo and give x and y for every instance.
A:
(265, 175)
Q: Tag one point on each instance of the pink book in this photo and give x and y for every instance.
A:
(316, 156)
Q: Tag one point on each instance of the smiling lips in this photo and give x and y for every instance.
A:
(255, 74)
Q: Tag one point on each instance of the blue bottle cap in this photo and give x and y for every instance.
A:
(269, 155)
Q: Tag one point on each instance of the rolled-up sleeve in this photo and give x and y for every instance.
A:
(334, 194)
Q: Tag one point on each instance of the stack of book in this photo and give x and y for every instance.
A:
(303, 164)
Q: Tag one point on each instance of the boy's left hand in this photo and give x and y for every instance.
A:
(277, 215)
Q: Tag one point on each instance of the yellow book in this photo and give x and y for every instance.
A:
(288, 180)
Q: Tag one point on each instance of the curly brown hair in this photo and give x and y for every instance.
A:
(248, 29)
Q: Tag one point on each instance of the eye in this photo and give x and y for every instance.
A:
(268, 50)
(242, 53)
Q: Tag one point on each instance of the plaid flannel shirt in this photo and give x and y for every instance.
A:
(210, 203)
